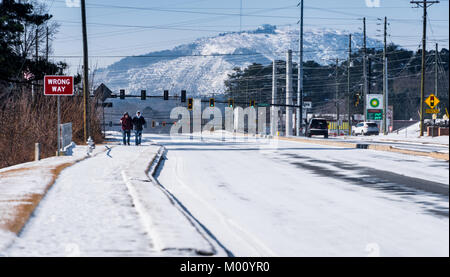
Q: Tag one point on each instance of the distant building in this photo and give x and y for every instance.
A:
(103, 92)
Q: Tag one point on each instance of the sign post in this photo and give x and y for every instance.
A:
(57, 86)
(58, 133)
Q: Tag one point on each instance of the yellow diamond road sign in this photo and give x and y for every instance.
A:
(432, 101)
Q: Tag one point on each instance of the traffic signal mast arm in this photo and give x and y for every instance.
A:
(246, 103)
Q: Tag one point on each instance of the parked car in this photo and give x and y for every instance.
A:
(365, 128)
(317, 127)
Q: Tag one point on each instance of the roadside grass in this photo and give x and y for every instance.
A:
(26, 204)
(25, 121)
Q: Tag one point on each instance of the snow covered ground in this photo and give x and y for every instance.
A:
(410, 134)
(23, 184)
(237, 196)
(108, 206)
(88, 212)
(266, 198)
(407, 138)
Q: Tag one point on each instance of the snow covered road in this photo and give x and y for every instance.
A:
(298, 199)
(242, 197)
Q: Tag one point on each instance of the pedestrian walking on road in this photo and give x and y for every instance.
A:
(138, 122)
(127, 126)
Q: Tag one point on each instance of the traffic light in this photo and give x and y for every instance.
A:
(252, 103)
(357, 98)
(166, 95)
(211, 102)
(183, 96)
(122, 94)
(143, 94)
(432, 100)
(231, 103)
(153, 124)
(190, 103)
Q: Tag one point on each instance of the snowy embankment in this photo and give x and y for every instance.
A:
(168, 225)
(23, 186)
(106, 205)
(409, 134)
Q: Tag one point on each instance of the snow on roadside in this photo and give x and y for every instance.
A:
(87, 212)
(107, 205)
(169, 227)
(23, 185)
(6, 238)
(409, 134)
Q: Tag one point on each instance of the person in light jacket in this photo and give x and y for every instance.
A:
(138, 122)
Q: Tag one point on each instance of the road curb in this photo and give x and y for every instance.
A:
(386, 148)
(155, 207)
(322, 142)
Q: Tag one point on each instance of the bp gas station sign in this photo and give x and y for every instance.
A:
(374, 107)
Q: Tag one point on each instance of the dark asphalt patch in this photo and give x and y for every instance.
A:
(377, 179)
(380, 176)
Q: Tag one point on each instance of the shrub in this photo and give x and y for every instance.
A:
(25, 121)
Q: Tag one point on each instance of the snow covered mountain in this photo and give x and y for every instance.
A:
(202, 66)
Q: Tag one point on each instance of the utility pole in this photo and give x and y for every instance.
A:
(386, 99)
(385, 78)
(33, 92)
(288, 93)
(348, 83)
(424, 4)
(436, 71)
(337, 91)
(37, 43)
(273, 115)
(369, 75)
(86, 93)
(46, 44)
(364, 69)
(299, 117)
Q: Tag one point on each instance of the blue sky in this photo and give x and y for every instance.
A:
(120, 28)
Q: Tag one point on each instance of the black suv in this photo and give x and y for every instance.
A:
(317, 127)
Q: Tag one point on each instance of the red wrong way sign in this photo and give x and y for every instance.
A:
(58, 85)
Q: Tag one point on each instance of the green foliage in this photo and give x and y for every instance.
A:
(13, 18)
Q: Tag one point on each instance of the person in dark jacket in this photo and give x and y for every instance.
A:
(138, 122)
(127, 126)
